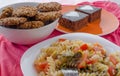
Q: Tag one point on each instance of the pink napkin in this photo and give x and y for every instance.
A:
(11, 53)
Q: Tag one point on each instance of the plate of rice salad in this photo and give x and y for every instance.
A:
(90, 54)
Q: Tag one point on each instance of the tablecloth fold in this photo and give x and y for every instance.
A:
(11, 53)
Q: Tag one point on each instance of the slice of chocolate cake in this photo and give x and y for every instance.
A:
(93, 12)
(73, 20)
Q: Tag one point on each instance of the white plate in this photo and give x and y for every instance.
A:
(30, 55)
(106, 25)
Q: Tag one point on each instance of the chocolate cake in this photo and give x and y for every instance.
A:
(73, 20)
(93, 12)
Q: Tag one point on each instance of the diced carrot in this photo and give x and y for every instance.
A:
(98, 47)
(42, 66)
(82, 64)
(111, 71)
(103, 52)
(46, 68)
(91, 61)
(84, 47)
(85, 55)
(113, 59)
(61, 39)
(76, 49)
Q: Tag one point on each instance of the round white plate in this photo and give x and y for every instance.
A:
(31, 54)
(106, 25)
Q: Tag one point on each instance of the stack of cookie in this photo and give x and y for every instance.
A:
(28, 17)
